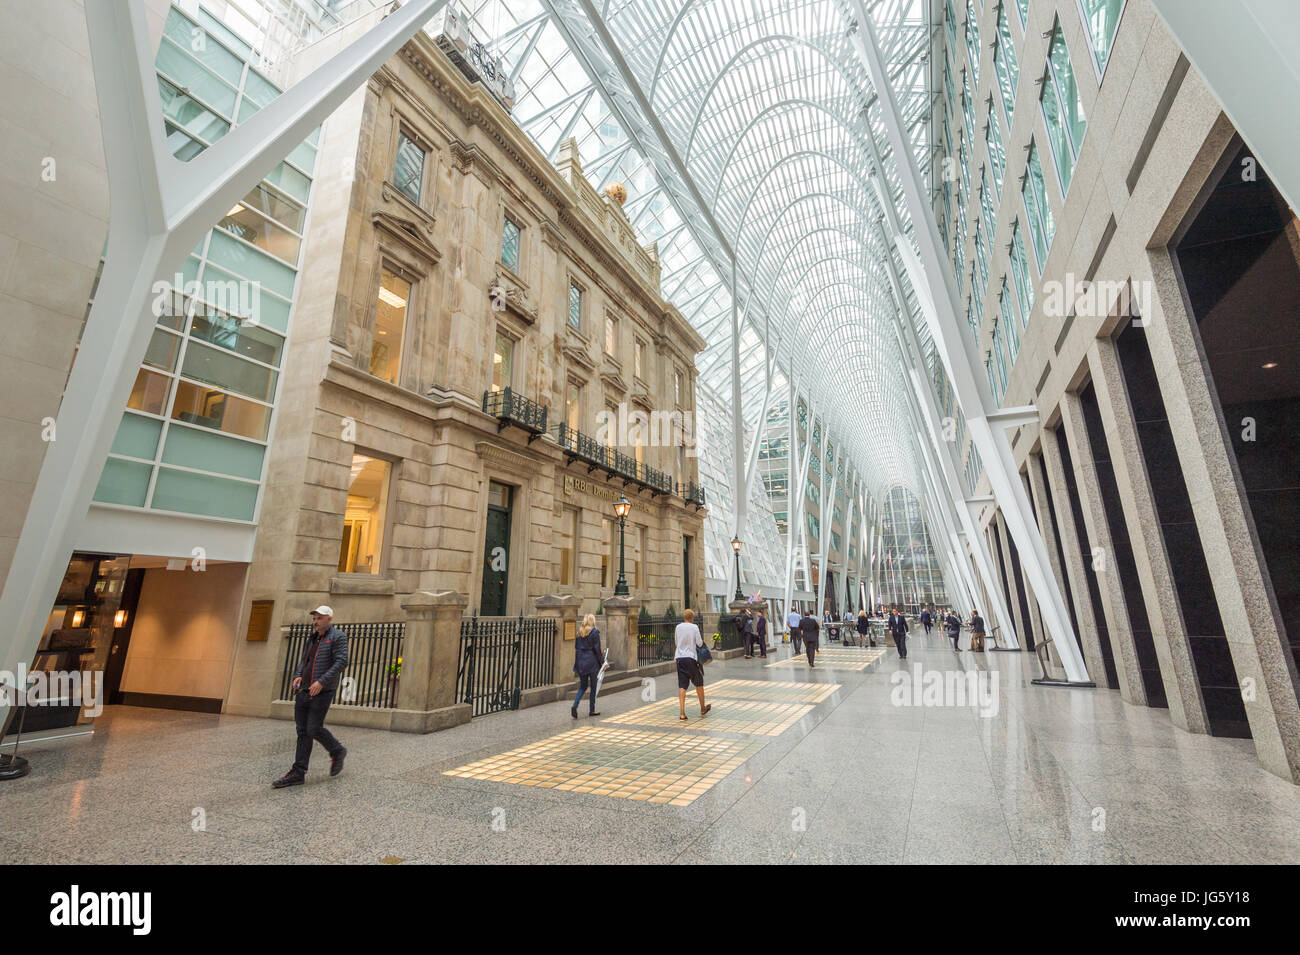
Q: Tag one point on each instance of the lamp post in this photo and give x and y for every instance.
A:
(736, 545)
(621, 507)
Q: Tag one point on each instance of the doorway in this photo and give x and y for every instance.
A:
(496, 550)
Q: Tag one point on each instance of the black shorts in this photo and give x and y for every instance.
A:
(688, 672)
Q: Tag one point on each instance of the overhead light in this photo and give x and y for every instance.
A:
(235, 209)
(391, 298)
(1269, 364)
(119, 619)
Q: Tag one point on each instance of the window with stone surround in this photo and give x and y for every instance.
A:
(390, 326)
(638, 359)
(611, 336)
(510, 236)
(575, 305)
(364, 523)
(408, 167)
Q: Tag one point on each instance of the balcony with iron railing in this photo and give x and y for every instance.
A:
(691, 492)
(509, 407)
(585, 448)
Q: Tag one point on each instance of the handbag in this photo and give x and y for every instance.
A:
(702, 654)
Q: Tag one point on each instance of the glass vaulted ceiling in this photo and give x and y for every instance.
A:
(739, 128)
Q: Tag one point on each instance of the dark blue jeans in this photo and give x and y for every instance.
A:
(309, 713)
(584, 681)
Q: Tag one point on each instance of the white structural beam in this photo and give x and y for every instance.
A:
(159, 209)
(958, 353)
(1245, 51)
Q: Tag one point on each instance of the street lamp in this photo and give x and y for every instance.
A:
(736, 545)
(621, 507)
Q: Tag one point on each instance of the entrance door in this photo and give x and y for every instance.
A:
(686, 572)
(496, 550)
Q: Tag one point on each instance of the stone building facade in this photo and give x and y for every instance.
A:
(456, 288)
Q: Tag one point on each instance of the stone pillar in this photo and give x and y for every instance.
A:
(620, 624)
(564, 608)
(1131, 688)
(1011, 579)
(1155, 576)
(1075, 570)
(1047, 528)
(426, 699)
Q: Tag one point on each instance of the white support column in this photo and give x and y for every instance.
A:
(937, 291)
(160, 207)
(739, 498)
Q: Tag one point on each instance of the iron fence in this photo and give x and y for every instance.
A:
(502, 656)
(374, 662)
(656, 639)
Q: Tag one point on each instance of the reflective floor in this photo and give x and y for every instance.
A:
(793, 765)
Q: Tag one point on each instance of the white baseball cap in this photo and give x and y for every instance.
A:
(324, 611)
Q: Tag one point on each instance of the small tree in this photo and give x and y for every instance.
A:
(671, 612)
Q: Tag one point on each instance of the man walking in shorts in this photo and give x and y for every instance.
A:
(689, 669)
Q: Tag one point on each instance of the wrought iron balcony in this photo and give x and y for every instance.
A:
(511, 408)
(656, 480)
(692, 492)
(583, 447)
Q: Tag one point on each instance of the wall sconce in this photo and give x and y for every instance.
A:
(119, 619)
(78, 618)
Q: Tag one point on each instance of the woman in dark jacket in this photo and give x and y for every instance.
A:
(587, 660)
(864, 627)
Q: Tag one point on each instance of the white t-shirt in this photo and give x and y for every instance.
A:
(688, 638)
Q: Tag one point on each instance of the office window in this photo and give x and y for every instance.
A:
(1005, 65)
(1101, 20)
(973, 40)
(997, 154)
(638, 359)
(363, 524)
(1023, 6)
(968, 109)
(569, 547)
(1008, 322)
(390, 326)
(1042, 227)
(575, 306)
(980, 274)
(999, 362)
(510, 245)
(408, 169)
(1062, 108)
(503, 359)
(950, 20)
(987, 210)
(573, 405)
(610, 336)
(1020, 273)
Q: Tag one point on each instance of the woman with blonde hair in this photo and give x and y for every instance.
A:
(587, 659)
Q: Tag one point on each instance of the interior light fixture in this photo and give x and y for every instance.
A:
(1269, 364)
(391, 298)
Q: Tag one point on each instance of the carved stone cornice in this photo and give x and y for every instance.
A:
(509, 293)
(505, 458)
(611, 373)
(576, 348)
(410, 210)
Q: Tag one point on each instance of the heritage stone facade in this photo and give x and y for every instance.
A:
(429, 426)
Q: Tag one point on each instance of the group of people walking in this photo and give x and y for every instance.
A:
(326, 655)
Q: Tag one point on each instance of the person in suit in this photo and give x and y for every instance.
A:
(587, 660)
(808, 630)
(927, 620)
(898, 627)
(760, 633)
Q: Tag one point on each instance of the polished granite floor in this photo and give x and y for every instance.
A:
(1055, 776)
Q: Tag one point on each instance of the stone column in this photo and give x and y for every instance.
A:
(1075, 571)
(620, 624)
(1131, 688)
(1011, 580)
(426, 699)
(1047, 528)
(564, 608)
(1251, 619)
(1168, 631)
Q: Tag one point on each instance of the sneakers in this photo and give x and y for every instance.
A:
(336, 761)
(288, 779)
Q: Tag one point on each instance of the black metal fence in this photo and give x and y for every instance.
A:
(510, 407)
(502, 656)
(656, 639)
(374, 662)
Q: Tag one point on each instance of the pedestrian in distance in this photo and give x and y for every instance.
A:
(689, 668)
(898, 626)
(808, 632)
(747, 633)
(927, 620)
(760, 633)
(864, 627)
(796, 633)
(587, 659)
(953, 625)
(314, 685)
(976, 631)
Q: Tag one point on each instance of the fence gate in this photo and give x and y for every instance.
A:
(502, 656)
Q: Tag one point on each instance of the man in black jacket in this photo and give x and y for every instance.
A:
(322, 663)
(898, 626)
(808, 629)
